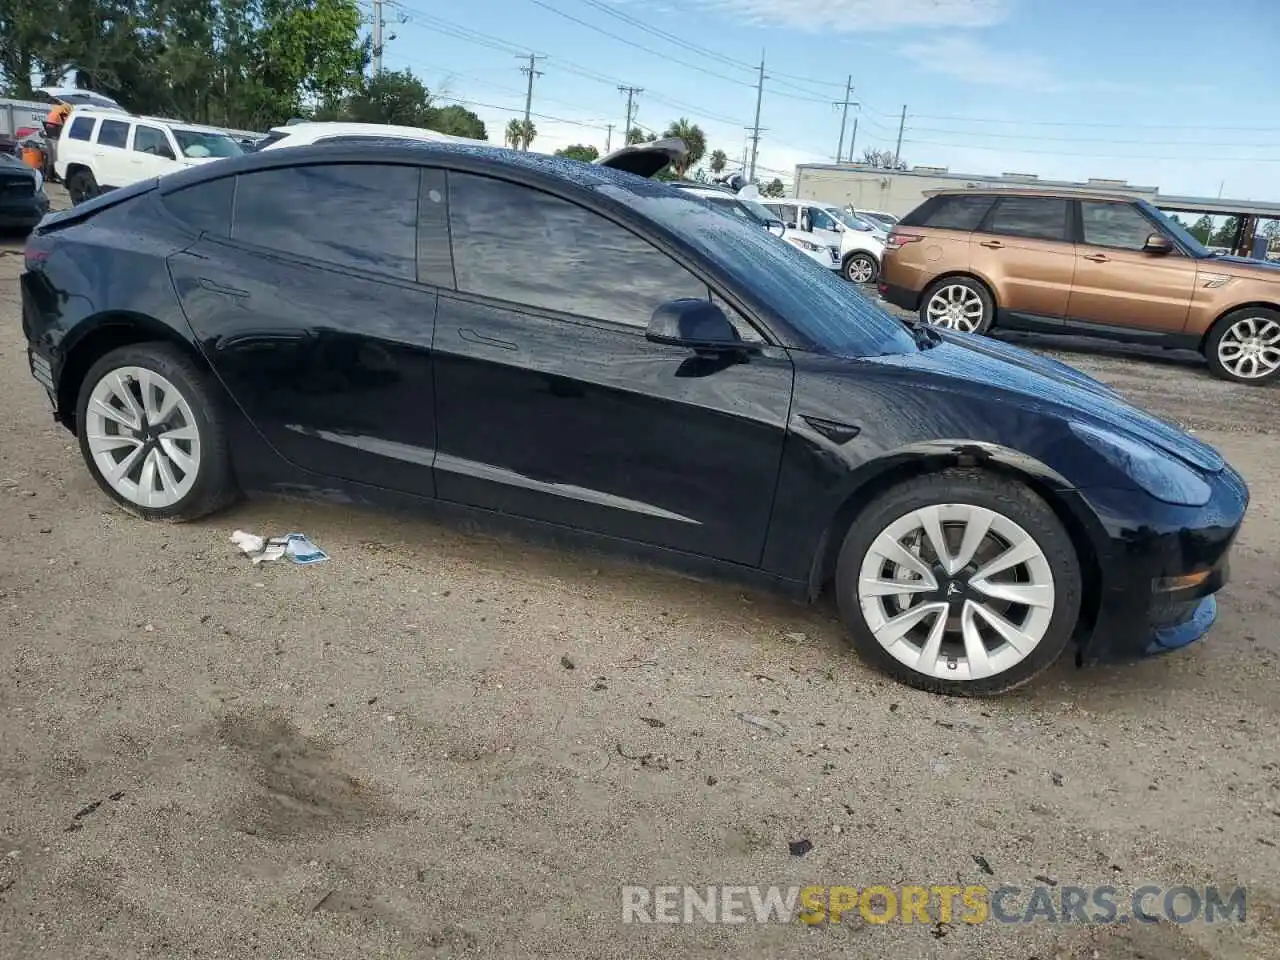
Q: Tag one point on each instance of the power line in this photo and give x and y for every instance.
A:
(1092, 156)
(1089, 123)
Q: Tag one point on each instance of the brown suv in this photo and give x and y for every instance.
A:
(1084, 264)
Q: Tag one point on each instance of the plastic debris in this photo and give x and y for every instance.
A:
(296, 546)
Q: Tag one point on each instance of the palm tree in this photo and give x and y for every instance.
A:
(514, 130)
(694, 140)
(719, 159)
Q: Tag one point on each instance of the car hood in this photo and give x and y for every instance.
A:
(1034, 380)
(1261, 269)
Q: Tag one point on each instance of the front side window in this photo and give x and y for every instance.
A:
(152, 141)
(81, 128)
(360, 215)
(113, 133)
(1118, 225)
(958, 213)
(819, 219)
(1036, 218)
(514, 243)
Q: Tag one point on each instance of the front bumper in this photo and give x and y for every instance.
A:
(23, 212)
(1161, 570)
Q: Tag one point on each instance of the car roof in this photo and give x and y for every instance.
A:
(125, 116)
(313, 129)
(1049, 193)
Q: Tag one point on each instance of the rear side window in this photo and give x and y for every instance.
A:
(81, 128)
(360, 215)
(1036, 218)
(1119, 225)
(956, 213)
(205, 206)
(113, 133)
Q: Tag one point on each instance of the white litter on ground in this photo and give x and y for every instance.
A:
(296, 546)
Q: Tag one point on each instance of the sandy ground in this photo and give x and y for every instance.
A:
(441, 744)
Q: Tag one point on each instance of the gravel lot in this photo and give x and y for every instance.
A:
(445, 744)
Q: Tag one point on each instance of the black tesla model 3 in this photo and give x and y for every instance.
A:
(584, 350)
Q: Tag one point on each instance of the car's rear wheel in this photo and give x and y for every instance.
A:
(82, 185)
(1245, 346)
(861, 268)
(959, 582)
(152, 434)
(958, 303)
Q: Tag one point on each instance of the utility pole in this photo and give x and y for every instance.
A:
(632, 93)
(897, 154)
(755, 127)
(608, 140)
(853, 139)
(846, 103)
(377, 36)
(533, 71)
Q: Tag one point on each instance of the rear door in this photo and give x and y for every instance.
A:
(110, 154)
(552, 404)
(1117, 284)
(304, 292)
(1023, 249)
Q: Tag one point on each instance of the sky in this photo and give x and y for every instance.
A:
(1176, 94)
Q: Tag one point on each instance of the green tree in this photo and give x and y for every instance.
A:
(580, 151)
(1225, 235)
(1202, 229)
(774, 188)
(636, 135)
(457, 121)
(389, 97)
(719, 160)
(306, 50)
(695, 142)
(520, 133)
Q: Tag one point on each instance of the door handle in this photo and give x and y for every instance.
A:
(214, 287)
(262, 338)
(1097, 257)
(992, 244)
(466, 333)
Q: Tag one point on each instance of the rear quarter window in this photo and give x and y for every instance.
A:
(205, 206)
(81, 128)
(956, 213)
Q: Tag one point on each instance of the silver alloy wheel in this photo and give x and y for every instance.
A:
(956, 306)
(861, 269)
(1250, 348)
(143, 437)
(956, 591)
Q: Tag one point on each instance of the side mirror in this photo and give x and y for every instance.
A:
(1158, 244)
(698, 324)
(776, 227)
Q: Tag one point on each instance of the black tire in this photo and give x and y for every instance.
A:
(1220, 329)
(992, 492)
(969, 283)
(856, 260)
(214, 486)
(82, 185)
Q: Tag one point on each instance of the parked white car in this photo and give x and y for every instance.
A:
(861, 248)
(749, 208)
(323, 131)
(103, 149)
(886, 220)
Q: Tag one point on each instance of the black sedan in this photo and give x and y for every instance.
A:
(22, 197)
(582, 350)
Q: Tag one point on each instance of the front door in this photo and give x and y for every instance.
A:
(552, 404)
(1022, 249)
(310, 313)
(1117, 284)
(150, 152)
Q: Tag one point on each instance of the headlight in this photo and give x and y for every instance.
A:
(805, 244)
(1158, 473)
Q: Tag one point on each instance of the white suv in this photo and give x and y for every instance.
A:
(861, 249)
(102, 149)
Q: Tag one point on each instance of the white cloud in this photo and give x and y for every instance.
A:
(853, 16)
(966, 59)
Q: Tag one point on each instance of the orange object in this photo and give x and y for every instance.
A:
(33, 157)
(58, 114)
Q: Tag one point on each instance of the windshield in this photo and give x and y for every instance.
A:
(198, 144)
(817, 302)
(1185, 237)
(851, 220)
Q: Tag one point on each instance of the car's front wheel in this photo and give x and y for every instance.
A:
(959, 582)
(958, 303)
(1245, 346)
(152, 435)
(861, 268)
